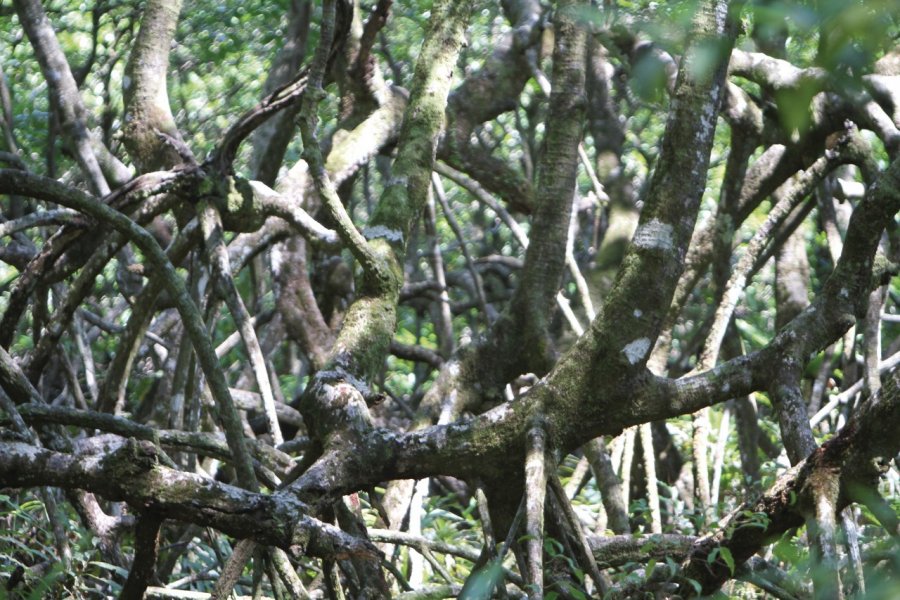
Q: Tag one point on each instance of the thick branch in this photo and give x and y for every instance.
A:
(129, 471)
(210, 444)
(857, 456)
(64, 95)
(148, 117)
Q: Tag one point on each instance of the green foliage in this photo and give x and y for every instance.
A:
(723, 553)
(30, 567)
(481, 583)
(220, 60)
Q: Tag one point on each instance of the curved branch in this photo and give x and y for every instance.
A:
(630, 321)
(217, 254)
(371, 262)
(149, 124)
(781, 76)
(203, 443)
(284, 97)
(788, 199)
(64, 95)
(53, 191)
(129, 471)
(856, 455)
(481, 446)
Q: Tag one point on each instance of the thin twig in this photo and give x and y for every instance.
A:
(312, 152)
(53, 191)
(584, 292)
(646, 433)
(287, 573)
(582, 549)
(218, 257)
(851, 391)
(457, 231)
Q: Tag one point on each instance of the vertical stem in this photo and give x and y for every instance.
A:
(851, 530)
(535, 494)
(652, 484)
(232, 569)
(64, 96)
(416, 512)
(582, 548)
(872, 339)
(611, 494)
(792, 416)
(444, 322)
(333, 580)
(9, 371)
(584, 293)
(826, 571)
(700, 423)
(287, 573)
(719, 454)
(146, 553)
(218, 258)
(820, 385)
(56, 524)
(147, 110)
(748, 443)
(457, 231)
(90, 371)
(179, 381)
(627, 460)
(578, 474)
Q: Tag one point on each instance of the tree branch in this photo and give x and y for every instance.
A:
(64, 95)
(53, 191)
(148, 119)
(128, 471)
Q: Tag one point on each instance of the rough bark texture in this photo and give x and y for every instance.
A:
(427, 345)
(150, 133)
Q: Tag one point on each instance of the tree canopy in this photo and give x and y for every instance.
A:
(450, 299)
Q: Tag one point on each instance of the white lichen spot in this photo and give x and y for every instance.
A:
(844, 293)
(498, 414)
(654, 235)
(126, 82)
(25, 450)
(636, 350)
(276, 258)
(447, 413)
(380, 231)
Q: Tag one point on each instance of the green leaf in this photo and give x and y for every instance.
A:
(46, 582)
(105, 565)
(673, 566)
(648, 80)
(553, 547)
(728, 558)
(698, 589)
(574, 592)
(794, 106)
(481, 583)
(786, 551)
